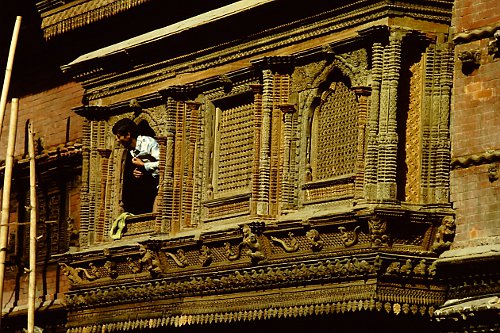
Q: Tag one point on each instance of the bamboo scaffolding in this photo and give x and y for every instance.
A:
(8, 71)
(4, 228)
(33, 220)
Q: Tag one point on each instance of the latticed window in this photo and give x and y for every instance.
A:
(335, 131)
(235, 148)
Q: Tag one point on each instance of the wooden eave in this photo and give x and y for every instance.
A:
(256, 302)
(132, 58)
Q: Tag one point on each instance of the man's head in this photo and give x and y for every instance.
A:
(125, 131)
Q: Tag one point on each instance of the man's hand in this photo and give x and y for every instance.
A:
(137, 162)
(137, 173)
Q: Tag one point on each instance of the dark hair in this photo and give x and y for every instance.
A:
(124, 126)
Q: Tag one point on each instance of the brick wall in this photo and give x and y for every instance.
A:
(49, 111)
(473, 14)
(477, 202)
(475, 123)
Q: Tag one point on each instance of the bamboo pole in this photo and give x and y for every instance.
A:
(8, 71)
(4, 227)
(33, 220)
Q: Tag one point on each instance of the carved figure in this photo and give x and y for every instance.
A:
(420, 268)
(314, 239)
(111, 268)
(406, 268)
(378, 228)
(179, 259)
(134, 266)
(251, 242)
(293, 246)
(444, 235)
(77, 275)
(349, 239)
(393, 268)
(94, 270)
(205, 256)
(149, 261)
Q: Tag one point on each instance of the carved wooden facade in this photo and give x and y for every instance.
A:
(304, 170)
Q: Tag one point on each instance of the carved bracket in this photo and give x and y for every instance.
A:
(471, 60)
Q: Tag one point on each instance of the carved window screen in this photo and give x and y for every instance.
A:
(235, 149)
(334, 133)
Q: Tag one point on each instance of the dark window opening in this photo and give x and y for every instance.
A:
(138, 194)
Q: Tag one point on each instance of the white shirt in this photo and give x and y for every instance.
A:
(147, 149)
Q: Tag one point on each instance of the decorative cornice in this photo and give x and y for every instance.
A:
(150, 320)
(487, 157)
(336, 272)
(77, 14)
(476, 34)
(99, 85)
(468, 308)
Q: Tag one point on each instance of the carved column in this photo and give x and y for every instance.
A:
(167, 216)
(85, 196)
(362, 94)
(264, 158)
(387, 134)
(257, 106)
(94, 185)
(286, 183)
(100, 223)
(371, 158)
(276, 91)
(444, 146)
(436, 136)
(192, 128)
(160, 199)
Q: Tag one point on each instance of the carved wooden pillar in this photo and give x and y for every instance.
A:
(85, 196)
(436, 136)
(444, 145)
(100, 223)
(362, 94)
(387, 134)
(286, 183)
(160, 198)
(94, 185)
(168, 180)
(276, 90)
(257, 107)
(264, 158)
(371, 158)
(192, 134)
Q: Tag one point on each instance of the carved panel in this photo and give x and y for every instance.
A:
(335, 131)
(235, 149)
(413, 135)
